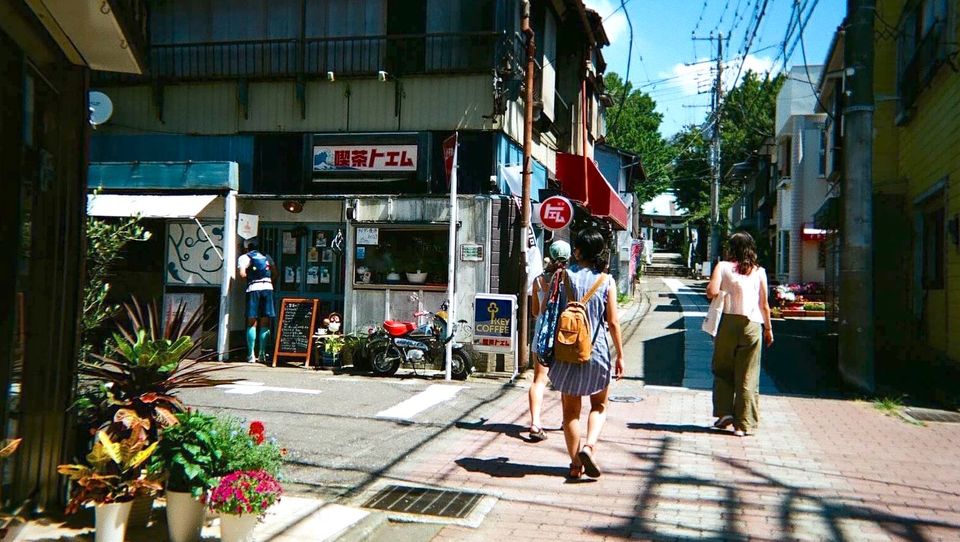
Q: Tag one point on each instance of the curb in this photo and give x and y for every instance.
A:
(361, 530)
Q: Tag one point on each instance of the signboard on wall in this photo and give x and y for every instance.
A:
(495, 323)
(191, 258)
(247, 225)
(368, 158)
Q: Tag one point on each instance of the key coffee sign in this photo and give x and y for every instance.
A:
(556, 213)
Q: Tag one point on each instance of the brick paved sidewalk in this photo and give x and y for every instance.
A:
(819, 470)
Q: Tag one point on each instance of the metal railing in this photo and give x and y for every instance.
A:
(417, 54)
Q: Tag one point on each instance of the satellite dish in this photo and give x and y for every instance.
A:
(100, 107)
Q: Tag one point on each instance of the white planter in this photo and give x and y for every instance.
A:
(112, 521)
(185, 515)
(234, 528)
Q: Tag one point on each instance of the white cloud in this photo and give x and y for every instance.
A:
(615, 25)
(694, 78)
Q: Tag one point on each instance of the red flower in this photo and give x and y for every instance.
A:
(257, 432)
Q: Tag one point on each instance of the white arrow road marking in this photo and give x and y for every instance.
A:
(251, 388)
(433, 395)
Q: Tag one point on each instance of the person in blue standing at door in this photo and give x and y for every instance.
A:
(259, 270)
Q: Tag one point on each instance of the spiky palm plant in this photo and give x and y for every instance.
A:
(151, 360)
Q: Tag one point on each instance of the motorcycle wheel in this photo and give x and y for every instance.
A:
(460, 365)
(386, 362)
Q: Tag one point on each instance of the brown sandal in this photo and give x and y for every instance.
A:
(576, 472)
(589, 464)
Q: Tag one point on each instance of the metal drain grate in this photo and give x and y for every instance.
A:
(931, 415)
(425, 501)
(625, 399)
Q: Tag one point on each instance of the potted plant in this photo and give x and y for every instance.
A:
(148, 360)
(113, 475)
(332, 346)
(241, 498)
(189, 460)
(244, 450)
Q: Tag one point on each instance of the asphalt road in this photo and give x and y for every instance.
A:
(335, 427)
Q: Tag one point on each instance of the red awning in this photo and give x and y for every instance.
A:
(603, 199)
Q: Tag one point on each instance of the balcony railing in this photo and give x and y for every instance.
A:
(313, 57)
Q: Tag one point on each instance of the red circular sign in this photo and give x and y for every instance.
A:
(556, 213)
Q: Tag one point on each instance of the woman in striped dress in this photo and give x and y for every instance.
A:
(591, 379)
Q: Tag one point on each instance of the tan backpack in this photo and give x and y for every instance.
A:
(573, 343)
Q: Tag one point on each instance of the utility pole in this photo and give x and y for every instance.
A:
(523, 349)
(856, 256)
(715, 159)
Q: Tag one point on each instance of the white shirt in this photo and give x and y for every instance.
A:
(743, 291)
(243, 262)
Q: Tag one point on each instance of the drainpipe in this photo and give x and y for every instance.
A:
(229, 270)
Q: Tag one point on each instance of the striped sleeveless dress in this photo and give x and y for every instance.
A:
(591, 377)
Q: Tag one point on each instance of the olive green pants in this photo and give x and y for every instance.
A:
(736, 371)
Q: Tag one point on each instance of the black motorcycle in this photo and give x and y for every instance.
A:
(399, 342)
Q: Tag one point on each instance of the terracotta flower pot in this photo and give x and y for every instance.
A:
(237, 528)
(112, 521)
(185, 514)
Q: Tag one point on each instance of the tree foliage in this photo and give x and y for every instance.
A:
(746, 120)
(633, 125)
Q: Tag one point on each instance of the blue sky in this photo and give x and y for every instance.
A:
(663, 48)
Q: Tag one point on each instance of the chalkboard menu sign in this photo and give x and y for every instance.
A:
(295, 329)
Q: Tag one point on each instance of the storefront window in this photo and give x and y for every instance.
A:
(410, 256)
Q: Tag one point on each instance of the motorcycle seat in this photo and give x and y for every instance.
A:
(398, 329)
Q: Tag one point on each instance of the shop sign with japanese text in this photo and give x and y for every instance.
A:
(364, 158)
(495, 323)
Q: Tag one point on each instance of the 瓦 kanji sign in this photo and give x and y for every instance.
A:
(556, 213)
(388, 158)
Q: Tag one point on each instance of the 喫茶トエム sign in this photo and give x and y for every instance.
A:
(495, 323)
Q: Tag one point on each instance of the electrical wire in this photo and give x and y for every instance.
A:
(806, 66)
(626, 80)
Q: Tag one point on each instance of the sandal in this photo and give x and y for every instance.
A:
(723, 422)
(537, 434)
(575, 472)
(589, 465)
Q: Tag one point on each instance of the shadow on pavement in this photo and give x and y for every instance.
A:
(663, 359)
(800, 361)
(673, 503)
(509, 429)
(501, 467)
(676, 428)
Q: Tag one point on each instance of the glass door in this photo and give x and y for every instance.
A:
(309, 259)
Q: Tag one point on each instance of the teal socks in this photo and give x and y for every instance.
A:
(264, 340)
(251, 340)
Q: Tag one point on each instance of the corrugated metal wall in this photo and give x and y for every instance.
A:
(428, 103)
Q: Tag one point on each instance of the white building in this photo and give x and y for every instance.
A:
(802, 183)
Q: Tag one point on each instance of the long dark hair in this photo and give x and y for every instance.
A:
(592, 249)
(743, 250)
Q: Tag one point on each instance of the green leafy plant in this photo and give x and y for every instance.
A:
(187, 455)
(814, 306)
(333, 344)
(151, 361)
(114, 471)
(245, 448)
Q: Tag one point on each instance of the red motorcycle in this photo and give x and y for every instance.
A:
(397, 342)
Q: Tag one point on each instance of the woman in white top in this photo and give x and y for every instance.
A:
(736, 348)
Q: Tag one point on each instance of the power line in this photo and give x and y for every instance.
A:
(626, 82)
(746, 51)
(806, 66)
(623, 6)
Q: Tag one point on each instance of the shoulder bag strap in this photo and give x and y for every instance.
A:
(593, 289)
